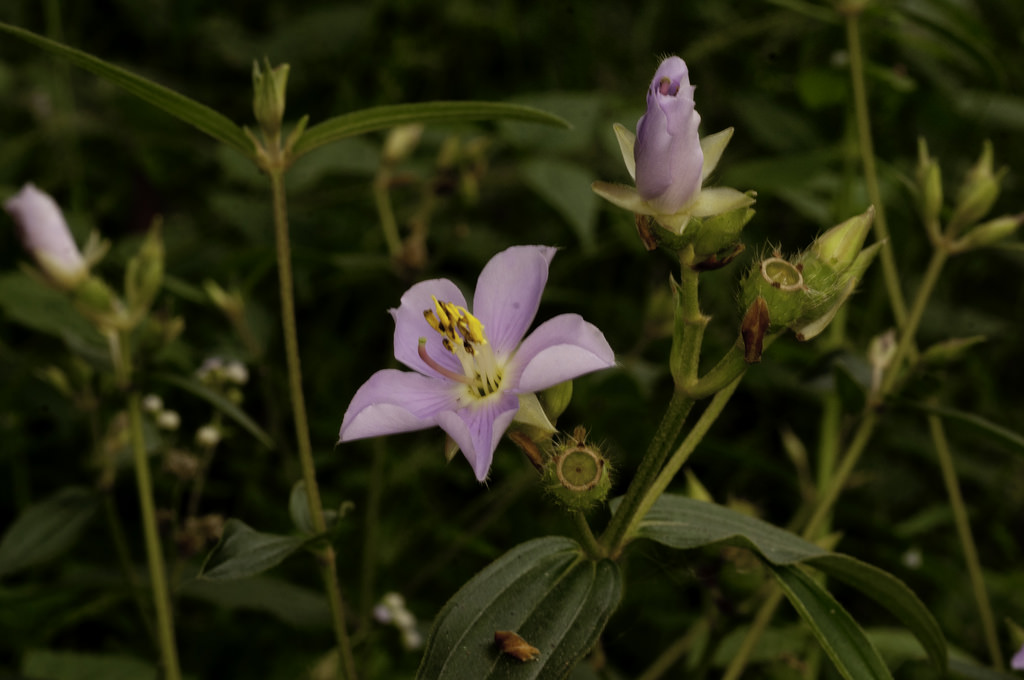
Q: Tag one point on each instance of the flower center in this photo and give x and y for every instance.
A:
(462, 334)
(666, 86)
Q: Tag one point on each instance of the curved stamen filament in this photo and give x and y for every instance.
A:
(429, 361)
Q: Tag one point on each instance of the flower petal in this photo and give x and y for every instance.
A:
(622, 196)
(667, 150)
(560, 349)
(713, 146)
(626, 141)
(410, 325)
(477, 429)
(394, 401)
(508, 294)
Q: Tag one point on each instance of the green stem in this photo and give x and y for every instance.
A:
(593, 548)
(682, 454)
(326, 556)
(757, 627)
(388, 223)
(672, 422)
(687, 335)
(907, 345)
(675, 651)
(867, 153)
(963, 529)
(154, 553)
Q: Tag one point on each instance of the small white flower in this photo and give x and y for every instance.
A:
(152, 403)
(168, 420)
(208, 436)
(236, 372)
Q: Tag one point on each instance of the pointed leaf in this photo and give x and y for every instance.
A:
(431, 113)
(1003, 434)
(842, 639)
(178, 105)
(545, 590)
(225, 405)
(47, 529)
(243, 551)
(684, 523)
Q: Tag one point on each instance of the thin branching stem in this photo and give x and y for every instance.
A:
(326, 554)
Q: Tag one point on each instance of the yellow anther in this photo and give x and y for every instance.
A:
(441, 314)
(432, 320)
(475, 329)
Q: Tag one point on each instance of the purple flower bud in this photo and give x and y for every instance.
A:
(45, 235)
(668, 156)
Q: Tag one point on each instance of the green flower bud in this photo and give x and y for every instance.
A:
(839, 246)
(144, 275)
(96, 300)
(268, 101)
(929, 187)
(555, 399)
(577, 475)
(948, 351)
(989, 233)
(400, 142)
(978, 192)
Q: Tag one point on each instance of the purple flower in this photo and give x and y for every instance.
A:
(45, 235)
(669, 160)
(1017, 662)
(470, 368)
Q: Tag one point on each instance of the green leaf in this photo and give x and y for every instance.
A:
(545, 590)
(842, 639)
(1003, 434)
(243, 551)
(225, 405)
(57, 665)
(565, 186)
(891, 593)
(47, 529)
(178, 105)
(684, 523)
(34, 304)
(297, 606)
(431, 113)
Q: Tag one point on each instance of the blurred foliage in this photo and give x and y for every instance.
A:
(951, 71)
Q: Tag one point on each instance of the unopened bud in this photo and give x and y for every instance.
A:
(929, 187)
(208, 436)
(152, 403)
(839, 246)
(45, 235)
(555, 399)
(950, 350)
(236, 372)
(978, 192)
(988, 233)
(269, 85)
(400, 142)
(144, 274)
(168, 420)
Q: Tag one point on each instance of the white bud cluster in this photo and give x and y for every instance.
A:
(392, 610)
(215, 370)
